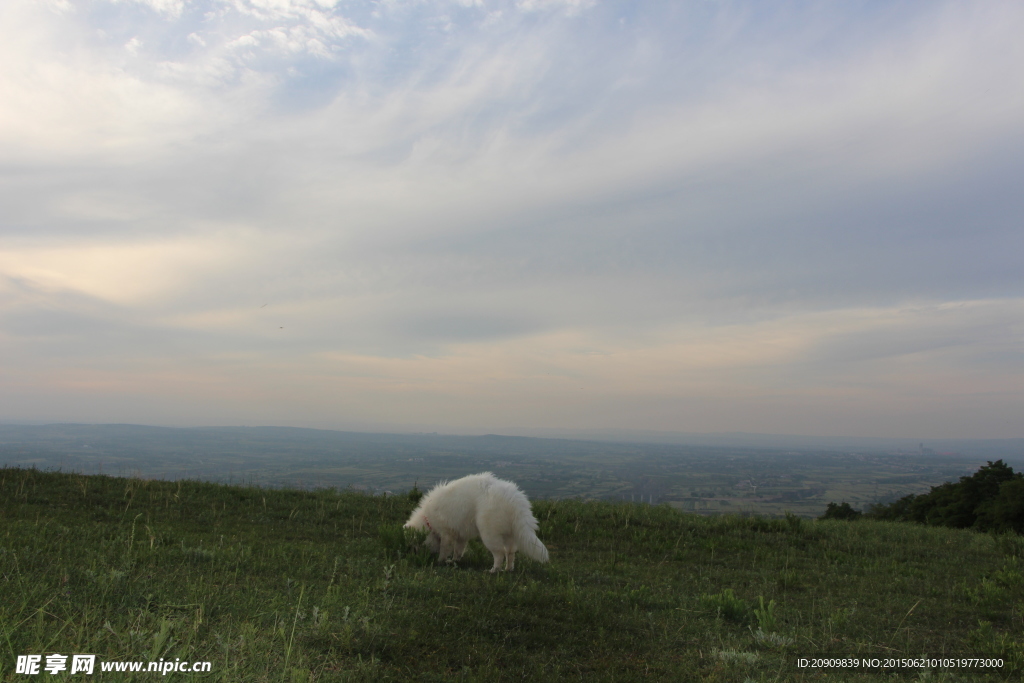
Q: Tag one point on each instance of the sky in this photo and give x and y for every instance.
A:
(503, 216)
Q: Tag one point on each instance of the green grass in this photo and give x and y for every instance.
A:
(285, 585)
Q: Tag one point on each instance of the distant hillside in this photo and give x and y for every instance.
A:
(321, 586)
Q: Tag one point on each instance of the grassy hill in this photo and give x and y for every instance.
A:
(285, 585)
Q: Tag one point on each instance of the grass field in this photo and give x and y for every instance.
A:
(286, 585)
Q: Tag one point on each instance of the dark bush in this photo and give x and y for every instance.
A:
(991, 499)
(1006, 511)
(843, 511)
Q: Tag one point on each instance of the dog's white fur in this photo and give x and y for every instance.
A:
(479, 506)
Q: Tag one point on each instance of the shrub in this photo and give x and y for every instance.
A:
(843, 511)
(1006, 511)
(991, 499)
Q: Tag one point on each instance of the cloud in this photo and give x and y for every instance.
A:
(676, 203)
(120, 273)
(168, 8)
(570, 7)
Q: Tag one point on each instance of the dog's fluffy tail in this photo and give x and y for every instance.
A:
(526, 538)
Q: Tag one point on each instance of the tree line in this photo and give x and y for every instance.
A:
(991, 499)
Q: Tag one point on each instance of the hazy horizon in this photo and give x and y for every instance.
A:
(473, 216)
(1012, 448)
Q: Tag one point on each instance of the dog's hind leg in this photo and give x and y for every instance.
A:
(499, 560)
(503, 549)
(496, 545)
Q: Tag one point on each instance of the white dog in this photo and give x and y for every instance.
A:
(479, 506)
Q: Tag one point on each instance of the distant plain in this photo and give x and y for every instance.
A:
(700, 478)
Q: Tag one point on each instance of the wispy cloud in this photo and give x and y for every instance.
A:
(459, 211)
